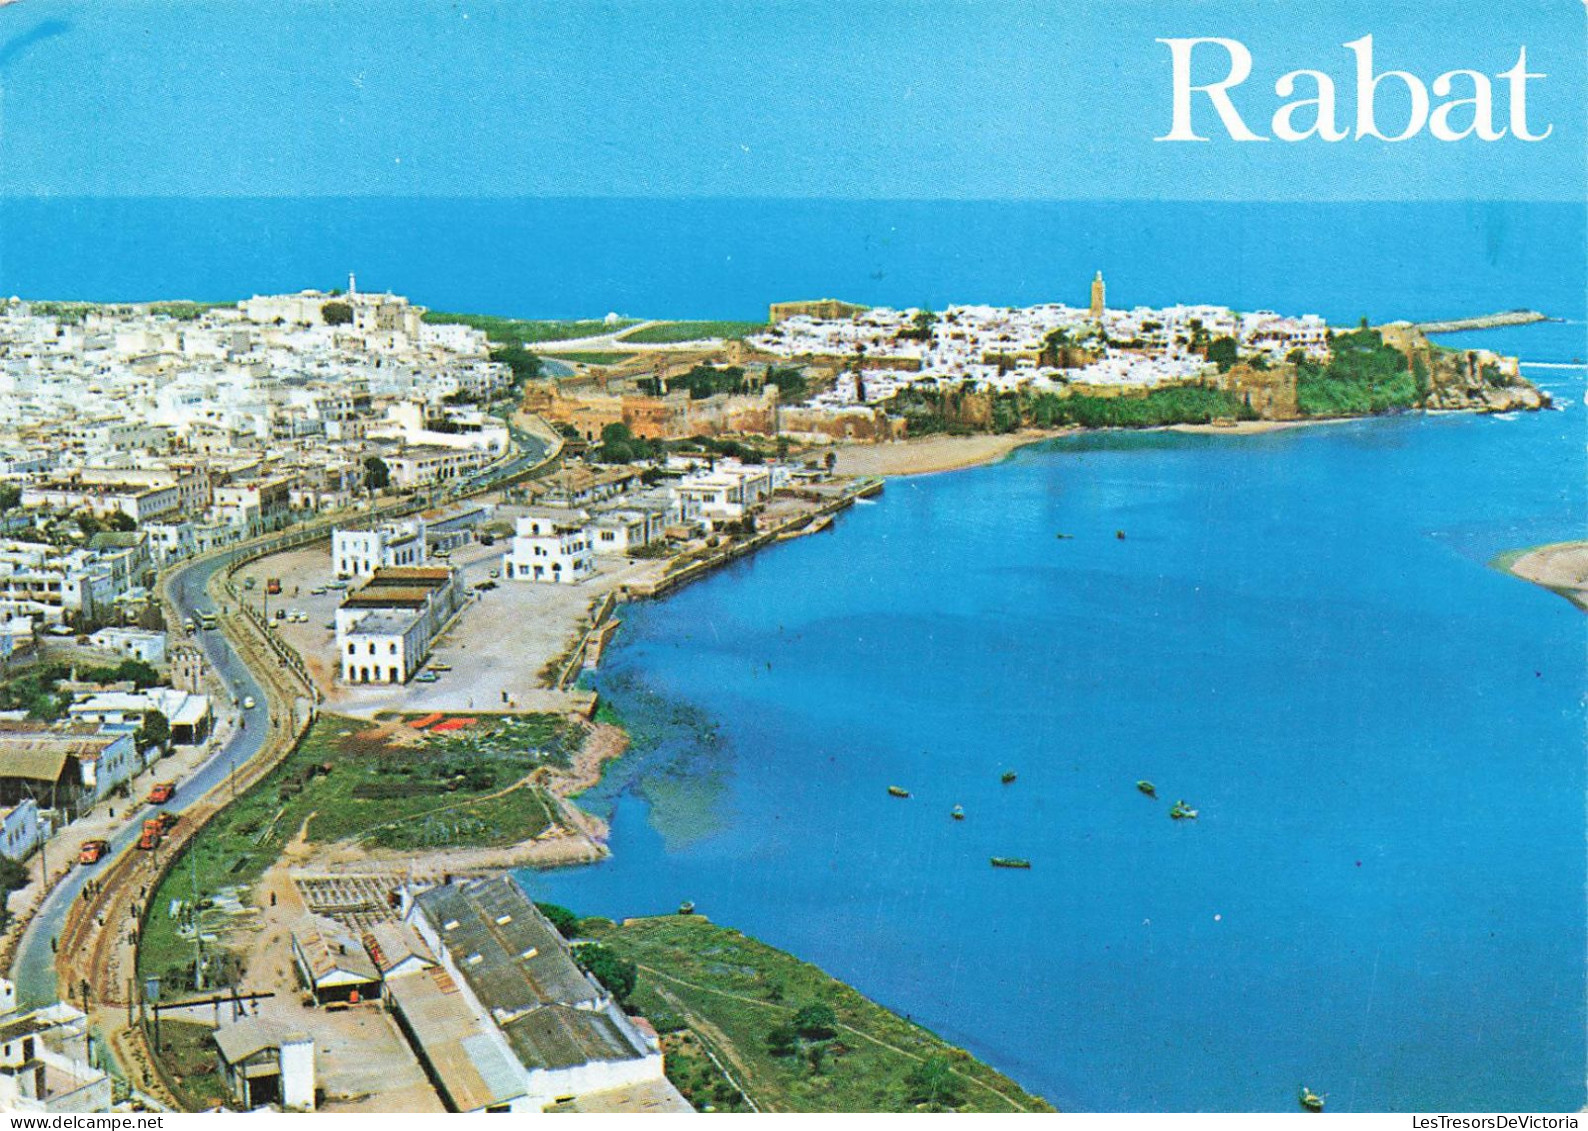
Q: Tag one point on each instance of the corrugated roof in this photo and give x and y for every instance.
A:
(329, 951)
(40, 759)
(469, 1064)
(246, 1038)
(512, 957)
(428, 576)
(391, 944)
(559, 1036)
(385, 597)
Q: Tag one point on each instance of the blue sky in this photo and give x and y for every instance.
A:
(858, 99)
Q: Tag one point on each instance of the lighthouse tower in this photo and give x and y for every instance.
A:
(1097, 296)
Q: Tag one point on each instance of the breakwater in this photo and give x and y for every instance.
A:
(1483, 322)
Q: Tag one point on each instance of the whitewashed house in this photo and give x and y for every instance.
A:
(552, 544)
(359, 553)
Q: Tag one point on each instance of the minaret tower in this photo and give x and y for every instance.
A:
(352, 283)
(1097, 296)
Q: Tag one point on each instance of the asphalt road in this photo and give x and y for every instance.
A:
(34, 967)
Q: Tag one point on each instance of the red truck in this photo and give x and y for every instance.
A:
(162, 792)
(151, 834)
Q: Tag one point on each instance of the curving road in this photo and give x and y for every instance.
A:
(33, 969)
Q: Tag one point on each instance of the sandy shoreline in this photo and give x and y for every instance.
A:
(955, 453)
(936, 453)
(1561, 568)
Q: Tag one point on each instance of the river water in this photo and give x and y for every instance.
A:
(1300, 634)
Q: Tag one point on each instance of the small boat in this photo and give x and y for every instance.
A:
(686, 908)
(1182, 812)
(958, 812)
(1120, 534)
(1063, 537)
(896, 791)
(1310, 1100)
(1010, 862)
(1148, 788)
(1009, 776)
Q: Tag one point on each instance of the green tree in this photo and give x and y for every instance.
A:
(525, 365)
(120, 521)
(932, 1082)
(1224, 353)
(791, 384)
(336, 313)
(138, 672)
(88, 523)
(377, 476)
(816, 1022)
(10, 497)
(155, 731)
(617, 974)
(12, 875)
(617, 444)
(782, 1041)
(566, 922)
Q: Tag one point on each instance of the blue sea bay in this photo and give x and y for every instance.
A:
(1301, 635)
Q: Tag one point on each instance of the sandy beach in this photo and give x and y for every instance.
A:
(934, 453)
(1243, 427)
(1562, 567)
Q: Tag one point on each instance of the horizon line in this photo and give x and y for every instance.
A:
(814, 199)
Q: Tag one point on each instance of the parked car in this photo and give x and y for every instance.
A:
(248, 703)
(162, 792)
(426, 677)
(92, 851)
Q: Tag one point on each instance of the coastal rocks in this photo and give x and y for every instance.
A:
(1478, 381)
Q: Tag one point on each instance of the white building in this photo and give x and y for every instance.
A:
(385, 629)
(19, 829)
(44, 1065)
(132, 643)
(551, 544)
(382, 647)
(422, 464)
(188, 714)
(725, 494)
(359, 553)
(622, 529)
(509, 1022)
(266, 1066)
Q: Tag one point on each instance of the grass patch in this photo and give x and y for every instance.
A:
(185, 311)
(751, 1005)
(188, 1056)
(664, 333)
(438, 789)
(591, 357)
(523, 332)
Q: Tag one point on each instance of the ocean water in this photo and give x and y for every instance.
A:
(561, 258)
(1383, 897)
